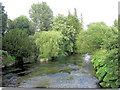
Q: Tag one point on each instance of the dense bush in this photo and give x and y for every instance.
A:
(18, 44)
(105, 61)
(106, 66)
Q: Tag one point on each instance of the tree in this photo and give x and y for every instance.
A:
(18, 44)
(68, 32)
(111, 39)
(41, 15)
(81, 20)
(4, 21)
(48, 43)
(115, 23)
(73, 21)
(75, 12)
(81, 44)
(11, 24)
(58, 22)
(68, 38)
(31, 28)
(96, 34)
(23, 23)
(94, 38)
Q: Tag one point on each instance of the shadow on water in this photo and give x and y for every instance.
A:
(16, 68)
(67, 72)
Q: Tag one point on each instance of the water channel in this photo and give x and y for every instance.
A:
(75, 71)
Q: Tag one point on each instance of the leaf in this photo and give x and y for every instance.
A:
(103, 84)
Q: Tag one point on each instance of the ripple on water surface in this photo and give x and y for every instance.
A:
(69, 72)
(76, 79)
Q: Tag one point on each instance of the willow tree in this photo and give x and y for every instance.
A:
(48, 44)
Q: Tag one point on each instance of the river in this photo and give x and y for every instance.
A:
(75, 71)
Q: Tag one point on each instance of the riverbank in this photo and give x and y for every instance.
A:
(9, 61)
(105, 64)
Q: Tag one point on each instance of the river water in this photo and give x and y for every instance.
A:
(75, 71)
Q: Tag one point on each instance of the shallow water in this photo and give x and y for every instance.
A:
(69, 72)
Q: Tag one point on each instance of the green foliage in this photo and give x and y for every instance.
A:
(4, 21)
(41, 15)
(60, 36)
(106, 66)
(7, 59)
(48, 43)
(115, 23)
(21, 22)
(68, 38)
(31, 28)
(111, 39)
(73, 20)
(94, 38)
(68, 32)
(81, 44)
(105, 61)
(17, 43)
(58, 22)
(102, 41)
(11, 24)
(33, 46)
(95, 35)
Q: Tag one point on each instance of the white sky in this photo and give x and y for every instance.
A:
(92, 10)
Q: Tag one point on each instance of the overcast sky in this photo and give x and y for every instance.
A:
(92, 10)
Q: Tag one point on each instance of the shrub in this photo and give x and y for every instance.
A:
(106, 66)
(18, 44)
